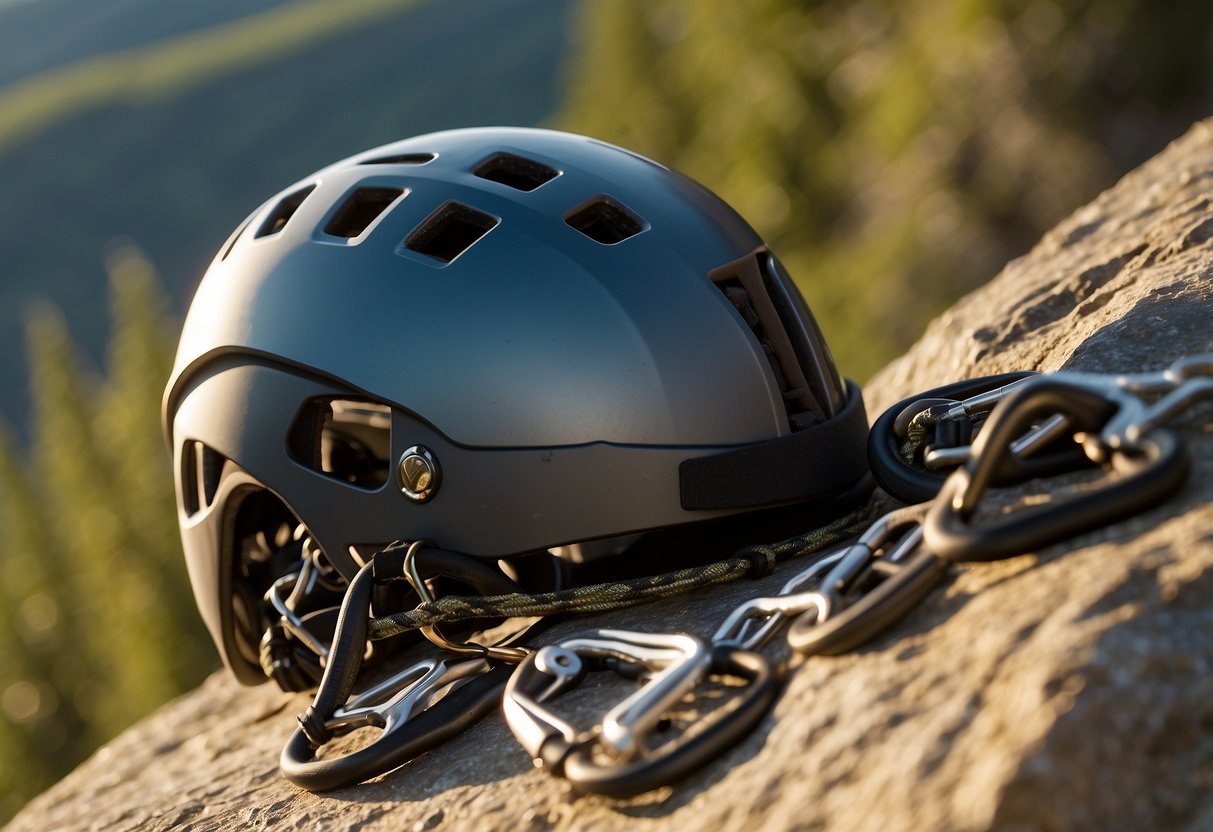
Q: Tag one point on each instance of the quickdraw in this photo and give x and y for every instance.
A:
(1001, 430)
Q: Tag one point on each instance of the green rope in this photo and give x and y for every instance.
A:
(916, 435)
(620, 594)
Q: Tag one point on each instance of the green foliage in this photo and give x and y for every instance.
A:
(894, 154)
(98, 626)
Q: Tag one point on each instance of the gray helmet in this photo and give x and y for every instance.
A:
(500, 340)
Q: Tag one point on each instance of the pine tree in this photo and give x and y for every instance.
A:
(97, 621)
(893, 154)
(99, 459)
(40, 726)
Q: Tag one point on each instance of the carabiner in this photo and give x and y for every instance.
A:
(1154, 468)
(679, 663)
(412, 722)
(913, 485)
(793, 599)
(904, 584)
(884, 587)
(411, 708)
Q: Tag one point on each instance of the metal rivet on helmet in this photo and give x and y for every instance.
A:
(419, 473)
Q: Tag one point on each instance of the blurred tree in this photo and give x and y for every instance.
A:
(894, 154)
(98, 625)
(38, 724)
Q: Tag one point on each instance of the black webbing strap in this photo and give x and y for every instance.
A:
(819, 461)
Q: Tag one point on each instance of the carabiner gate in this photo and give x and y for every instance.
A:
(893, 578)
(411, 715)
(1154, 467)
(610, 758)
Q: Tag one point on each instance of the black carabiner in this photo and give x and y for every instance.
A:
(903, 586)
(556, 746)
(911, 484)
(875, 591)
(409, 730)
(1155, 467)
(686, 756)
(399, 743)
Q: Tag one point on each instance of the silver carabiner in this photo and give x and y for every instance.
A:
(845, 566)
(677, 663)
(416, 710)
(400, 697)
(773, 611)
(610, 757)
(286, 593)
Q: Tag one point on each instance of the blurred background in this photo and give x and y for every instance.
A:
(895, 154)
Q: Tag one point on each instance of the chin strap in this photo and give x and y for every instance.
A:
(819, 461)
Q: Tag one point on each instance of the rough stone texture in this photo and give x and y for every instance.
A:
(1068, 689)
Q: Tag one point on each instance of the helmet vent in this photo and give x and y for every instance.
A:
(745, 286)
(360, 210)
(605, 221)
(348, 440)
(283, 212)
(515, 171)
(201, 468)
(402, 159)
(450, 231)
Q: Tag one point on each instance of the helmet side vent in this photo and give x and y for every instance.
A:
(283, 211)
(450, 231)
(401, 159)
(515, 171)
(360, 209)
(743, 284)
(348, 440)
(201, 470)
(605, 221)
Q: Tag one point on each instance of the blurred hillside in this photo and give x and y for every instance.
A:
(37, 36)
(174, 140)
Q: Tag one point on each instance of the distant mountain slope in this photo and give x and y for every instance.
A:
(169, 67)
(37, 35)
(177, 173)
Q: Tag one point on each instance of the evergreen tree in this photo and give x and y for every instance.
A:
(894, 154)
(97, 625)
(39, 724)
(128, 408)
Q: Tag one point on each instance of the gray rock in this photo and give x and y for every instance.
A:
(1070, 688)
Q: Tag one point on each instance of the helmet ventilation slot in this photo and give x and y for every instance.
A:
(746, 288)
(283, 211)
(450, 231)
(360, 210)
(201, 468)
(348, 440)
(605, 221)
(515, 171)
(402, 159)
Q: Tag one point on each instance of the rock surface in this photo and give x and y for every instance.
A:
(1071, 688)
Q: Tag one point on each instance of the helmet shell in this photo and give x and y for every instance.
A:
(559, 347)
